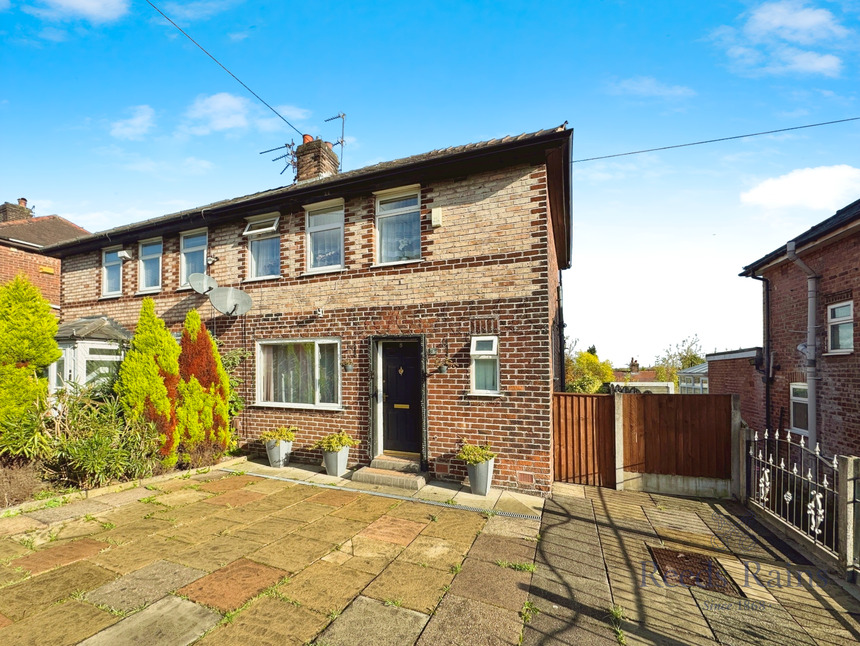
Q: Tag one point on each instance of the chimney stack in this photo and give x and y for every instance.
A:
(19, 211)
(315, 159)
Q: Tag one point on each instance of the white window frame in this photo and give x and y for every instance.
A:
(841, 320)
(317, 405)
(256, 233)
(140, 258)
(328, 206)
(393, 193)
(105, 266)
(792, 399)
(484, 355)
(705, 387)
(183, 276)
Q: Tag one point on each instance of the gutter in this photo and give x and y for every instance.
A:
(809, 350)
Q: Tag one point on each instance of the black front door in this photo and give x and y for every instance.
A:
(401, 396)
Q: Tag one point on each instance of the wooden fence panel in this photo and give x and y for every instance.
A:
(584, 438)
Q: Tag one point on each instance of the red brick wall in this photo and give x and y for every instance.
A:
(43, 272)
(839, 383)
(739, 377)
(489, 261)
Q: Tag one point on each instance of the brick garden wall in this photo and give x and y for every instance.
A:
(488, 264)
(43, 272)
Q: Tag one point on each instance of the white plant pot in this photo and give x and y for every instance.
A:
(279, 452)
(481, 477)
(335, 461)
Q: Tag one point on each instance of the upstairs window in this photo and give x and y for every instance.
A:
(324, 242)
(111, 272)
(264, 246)
(840, 327)
(799, 407)
(149, 265)
(192, 254)
(484, 355)
(398, 226)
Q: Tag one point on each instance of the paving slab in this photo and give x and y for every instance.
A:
(51, 557)
(169, 622)
(464, 622)
(291, 554)
(10, 575)
(19, 524)
(433, 552)
(235, 498)
(393, 530)
(492, 548)
(334, 497)
(143, 586)
(71, 510)
(513, 527)
(120, 498)
(60, 625)
(366, 508)
(492, 584)
(228, 483)
(126, 558)
(331, 529)
(410, 586)
(183, 497)
(214, 553)
(325, 587)
(466, 498)
(200, 531)
(189, 514)
(268, 622)
(438, 491)
(135, 530)
(369, 554)
(418, 512)
(376, 623)
(307, 512)
(229, 587)
(265, 531)
(33, 595)
(456, 526)
(518, 503)
(269, 486)
(10, 549)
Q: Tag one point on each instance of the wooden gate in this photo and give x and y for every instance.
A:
(584, 438)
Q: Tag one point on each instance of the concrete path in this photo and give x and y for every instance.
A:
(594, 555)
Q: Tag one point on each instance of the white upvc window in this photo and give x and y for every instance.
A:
(324, 237)
(687, 386)
(193, 246)
(149, 265)
(111, 272)
(840, 327)
(704, 385)
(300, 373)
(799, 398)
(398, 225)
(484, 354)
(264, 246)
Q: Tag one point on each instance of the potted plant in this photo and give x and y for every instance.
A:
(335, 448)
(479, 464)
(347, 365)
(443, 366)
(279, 444)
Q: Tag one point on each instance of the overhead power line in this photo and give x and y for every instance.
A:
(713, 141)
(238, 80)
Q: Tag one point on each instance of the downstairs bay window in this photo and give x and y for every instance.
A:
(302, 373)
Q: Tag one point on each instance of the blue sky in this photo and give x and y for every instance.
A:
(108, 115)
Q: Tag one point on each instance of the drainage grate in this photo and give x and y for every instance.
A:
(693, 570)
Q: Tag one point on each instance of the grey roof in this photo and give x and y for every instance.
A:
(843, 216)
(700, 369)
(447, 161)
(40, 231)
(95, 328)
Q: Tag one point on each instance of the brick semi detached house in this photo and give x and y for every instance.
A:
(411, 303)
(807, 373)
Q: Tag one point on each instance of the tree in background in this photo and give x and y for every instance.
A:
(584, 372)
(684, 355)
(148, 380)
(202, 411)
(27, 347)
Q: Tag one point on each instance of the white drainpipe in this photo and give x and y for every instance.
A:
(811, 309)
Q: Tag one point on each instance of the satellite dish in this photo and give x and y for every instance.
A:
(202, 283)
(230, 301)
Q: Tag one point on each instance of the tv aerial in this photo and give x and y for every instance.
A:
(230, 301)
(342, 140)
(289, 157)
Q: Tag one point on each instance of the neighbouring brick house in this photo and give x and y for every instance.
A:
(22, 238)
(810, 339)
(411, 303)
(736, 372)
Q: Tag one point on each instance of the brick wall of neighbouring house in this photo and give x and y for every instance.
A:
(739, 377)
(43, 272)
(839, 383)
(485, 270)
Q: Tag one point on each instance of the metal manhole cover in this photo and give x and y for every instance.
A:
(693, 570)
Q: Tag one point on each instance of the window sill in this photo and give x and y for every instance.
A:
(397, 263)
(838, 353)
(259, 278)
(184, 288)
(798, 431)
(147, 292)
(109, 297)
(484, 394)
(323, 407)
(326, 270)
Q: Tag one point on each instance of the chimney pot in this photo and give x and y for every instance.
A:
(330, 145)
(22, 201)
(306, 139)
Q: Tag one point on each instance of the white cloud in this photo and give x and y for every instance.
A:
(4, 4)
(648, 86)
(216, 113)
(793, 21)
(136, 126)
(785, 37)
(194, 166)
(199, 10)
(92, 10)
(290, 113)
(238, 36)
(53, 34)
(825, 188)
